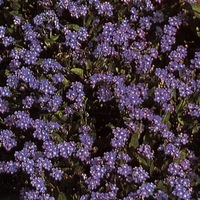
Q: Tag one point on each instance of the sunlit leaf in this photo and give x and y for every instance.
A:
(78, 71)
(61, 196)
(134, 141)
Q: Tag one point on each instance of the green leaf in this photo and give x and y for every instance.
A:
(66, 83)
(54, 37)
(10, 30)
(57, 137)
(14, 13)
(78, 71)
(89, 20)
(134, 141)
(48, 42)
(73, 26)
(196, 129)
(61, 196)
(160, 184)
(7, 72)
(151, 170)
(180, 105)
(15, 5)
(143, 161)
(110, 125)
(166, 117)
(180, 120)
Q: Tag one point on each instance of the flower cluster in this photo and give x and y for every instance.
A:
(99, 100)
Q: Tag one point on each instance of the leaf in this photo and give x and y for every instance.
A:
(48, 42)
(78, 71)
(15, 5)
(57, 137)
(7, 72)
(180, 106)
(66, 85)
(61, 196)
(110, 125)
(14, 13)
(10, 30)
(196, 129)
(134, 141)
(166, 117)
(89, 20)
(54, 37)
(180, 120)
(143, 161)
(73, 26)
(160, 184)
(151, 170)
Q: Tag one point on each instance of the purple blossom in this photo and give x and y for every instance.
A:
(53, 103)
(76, 94)
(50, 17)
(50, 149)
(28, 166)
(17, 20)
(31, 57)
(86, 140)
(120, 137)
(2, 32)
(139, 175)
(57, 78)
(134, 14)
(77, 10)
(161, 195)
(5, 92)
(44, 163)
(56, 173)
(181, 192)
(125, 170)
(185, 90)
(9, 167)
(28, 102)
(110, 158)
(146, 190)
(167, 42)
(183, 138)
(30, 35)
(38, 183)
(31, 195)
(145, 23)
(66, 149)
(172, 150)
(8, 139)
(104, 93)
(162, 95)
(7, 40)
(46, 87)
(176, 170)
(146, 151)
(26, 75)
(1, 2)
(124, 157)
(176, 21)
(104, 8)
(97, 171)
(84, 154)
(82, 34)
(195, 63)
(193, 110)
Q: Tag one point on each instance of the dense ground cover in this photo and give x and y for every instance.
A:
(99, 99)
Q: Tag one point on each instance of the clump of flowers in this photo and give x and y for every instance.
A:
(99, 100)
